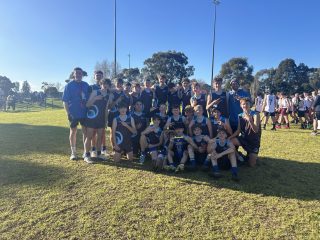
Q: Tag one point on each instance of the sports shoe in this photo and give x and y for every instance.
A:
(104, 152)
(169, 168)
(142, 159)
(205, 168)
(278, 126)
(180, 168)
(235, 178)
(287, 127)
(314, 133)
(273, 129)
(215, 175)
(88, 160)
(94, 154)
(73, 157)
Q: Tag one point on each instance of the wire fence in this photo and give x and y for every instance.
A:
(27, 105)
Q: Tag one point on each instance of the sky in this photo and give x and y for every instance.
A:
(44, 40)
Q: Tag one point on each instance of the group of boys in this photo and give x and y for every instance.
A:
(303, 108)
(178, 126)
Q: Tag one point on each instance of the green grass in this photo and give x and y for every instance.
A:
(46, 196)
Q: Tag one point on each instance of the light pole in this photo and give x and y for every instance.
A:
(129, 59)
(115, 38)
(215, 2)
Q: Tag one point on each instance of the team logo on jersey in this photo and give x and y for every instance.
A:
(93, 111)
(119, 137)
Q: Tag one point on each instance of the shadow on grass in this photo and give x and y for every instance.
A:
(272, 177)
(29, 173)
(16, 139)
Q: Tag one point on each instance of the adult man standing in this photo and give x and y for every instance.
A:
(233, 100)
(74, 99)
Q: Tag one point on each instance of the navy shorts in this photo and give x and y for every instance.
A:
(317, 115)
(301, 113)
(74, 122)
(271, 114)
(249, 147)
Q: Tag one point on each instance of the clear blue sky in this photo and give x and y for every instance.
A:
(44, 40)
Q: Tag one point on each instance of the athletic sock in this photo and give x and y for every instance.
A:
(73, 150)
(87, 154)
(143, 152)
(273, 125)
(98, 153)
(193, 162)
(93, 149)
(234, 171)
(104, 148)
(288, 125)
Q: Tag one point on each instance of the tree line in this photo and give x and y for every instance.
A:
(288, 77)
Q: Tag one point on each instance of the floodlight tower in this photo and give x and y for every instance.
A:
(216, 3)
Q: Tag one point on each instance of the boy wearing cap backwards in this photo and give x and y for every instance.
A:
(178, 148)
(250, 129)
(151, 139)
(140, 122)
(223, 155)
(123, 128)
(74, 99)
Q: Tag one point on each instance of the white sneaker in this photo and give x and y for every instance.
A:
(73, 157)
(88, 160)
(94, 154)
(104, 152)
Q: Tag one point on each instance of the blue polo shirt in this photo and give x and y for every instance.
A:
(76, 94)
(234, 105)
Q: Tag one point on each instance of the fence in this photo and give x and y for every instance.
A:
(28, 105)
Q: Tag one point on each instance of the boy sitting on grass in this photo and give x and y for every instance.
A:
(151, 139)
(201, 141)
(178, 148)
(223, 155)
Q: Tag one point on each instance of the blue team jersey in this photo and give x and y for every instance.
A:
(76, 95)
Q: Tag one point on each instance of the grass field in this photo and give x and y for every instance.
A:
(46, 196)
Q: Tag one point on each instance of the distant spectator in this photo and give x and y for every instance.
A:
(11, 102)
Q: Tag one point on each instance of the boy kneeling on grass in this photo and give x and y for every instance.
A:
(151, 139)
(122, 129)
(178, 149)
(223, 155)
